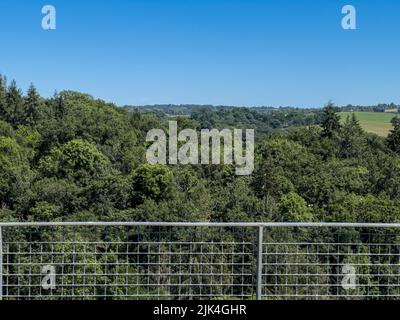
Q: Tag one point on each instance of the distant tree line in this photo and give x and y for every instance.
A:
(394, 108)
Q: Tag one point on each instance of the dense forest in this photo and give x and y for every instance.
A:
(74, 157)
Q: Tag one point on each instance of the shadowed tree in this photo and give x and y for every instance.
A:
(58, 105)
(331, 122)
(3, 94)
(393, 139)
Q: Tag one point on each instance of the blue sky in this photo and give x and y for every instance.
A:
(230, 52)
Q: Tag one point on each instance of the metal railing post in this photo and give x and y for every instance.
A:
(259, 262)
(1, 263)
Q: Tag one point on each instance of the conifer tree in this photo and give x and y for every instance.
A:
(331, 124)
(58, 105)
(14, 112)
(393, 139)
(3, 93)
(353, 139)
(32, 106)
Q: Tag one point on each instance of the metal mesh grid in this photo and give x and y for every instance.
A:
(331, 263)
(127, 263)
(199, 261)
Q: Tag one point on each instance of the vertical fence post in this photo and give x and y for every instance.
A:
(259, 262)
(1, 263)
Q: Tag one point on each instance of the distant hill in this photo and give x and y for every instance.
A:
(263, 119)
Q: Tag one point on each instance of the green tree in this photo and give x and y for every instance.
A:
(14, 112)
(279, 164)
(353, 138)
(58, 105)
(6, 129)
(32, 106)
(331, 122)
(78, 160)
(393, 139)
(155, 182)
(15, 174)
(293, 208)
(3, 95)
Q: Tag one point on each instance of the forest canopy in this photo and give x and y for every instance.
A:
(75, 157)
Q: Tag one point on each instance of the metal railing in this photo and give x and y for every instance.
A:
(107, 260)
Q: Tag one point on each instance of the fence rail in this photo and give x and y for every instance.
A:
(143, 260)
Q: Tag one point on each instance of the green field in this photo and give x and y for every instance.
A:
(375, 122)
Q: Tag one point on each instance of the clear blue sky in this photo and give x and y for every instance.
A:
(231, 52)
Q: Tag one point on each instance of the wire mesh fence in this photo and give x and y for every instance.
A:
(199, 261)
(331, 263)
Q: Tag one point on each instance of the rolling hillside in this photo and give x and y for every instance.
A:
(375, 122)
